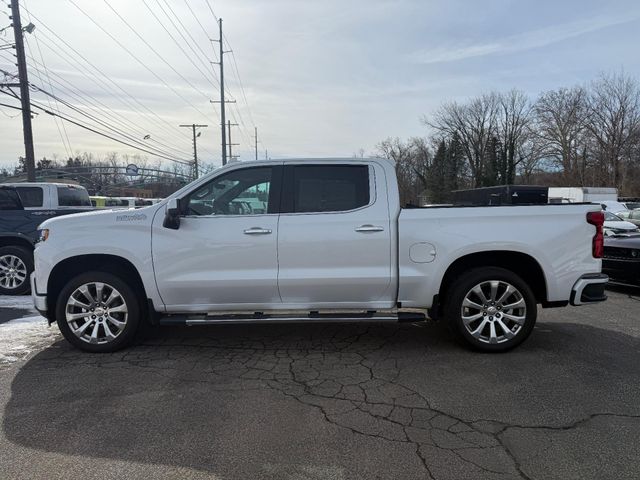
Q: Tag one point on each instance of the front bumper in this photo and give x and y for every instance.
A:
(39, 301)
(624, 270)
(589, 289)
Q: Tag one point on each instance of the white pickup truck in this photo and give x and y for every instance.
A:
(313, 240)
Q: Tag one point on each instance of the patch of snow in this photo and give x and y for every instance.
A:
(22, 302)
(19, 337)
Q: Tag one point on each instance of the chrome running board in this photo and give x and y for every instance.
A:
(311, 317)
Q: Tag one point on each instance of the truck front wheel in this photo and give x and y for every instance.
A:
(98, 312)
(492, 309)
(16, 264)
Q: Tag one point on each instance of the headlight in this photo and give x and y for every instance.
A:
(43, 235)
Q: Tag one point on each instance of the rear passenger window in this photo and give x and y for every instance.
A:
(330, 188)
(30, 196)
(71, 196)
(9, 200)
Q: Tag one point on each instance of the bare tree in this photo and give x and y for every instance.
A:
(473, 123)
(513, 129)
(412, 161)
(561, 122)
(614, 122)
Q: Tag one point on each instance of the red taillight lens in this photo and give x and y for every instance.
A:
(597, 219)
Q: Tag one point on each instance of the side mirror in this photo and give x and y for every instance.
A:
(172, 215)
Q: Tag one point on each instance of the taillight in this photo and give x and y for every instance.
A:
(597, 247)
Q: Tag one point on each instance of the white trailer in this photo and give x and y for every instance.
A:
(582, 194)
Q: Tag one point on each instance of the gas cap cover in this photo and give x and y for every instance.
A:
(422, 252)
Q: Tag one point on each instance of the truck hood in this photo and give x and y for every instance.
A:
(102, 218)
(620, 225)
(623, 241)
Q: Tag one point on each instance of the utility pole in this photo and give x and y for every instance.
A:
(193, 127)
(222, 112)
(256, 139)
(229, 124)
(222, 101)
(24, 92)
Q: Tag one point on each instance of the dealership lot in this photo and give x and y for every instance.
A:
(336, 401)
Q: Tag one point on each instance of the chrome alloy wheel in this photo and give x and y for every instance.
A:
(494, 311)
(13, 272)
(96, 313)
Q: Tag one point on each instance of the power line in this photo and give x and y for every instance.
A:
(103, 78)
(187, 56)
(74, 92)
(61, 128)
(103, 123)
(204, 30)
(108, 136)
(188, 32)
(184, 79)
(137, 59)
(109, 127)
(237, 72)
(94, 130)
(55, 120)
(207, 63)
(100, 81)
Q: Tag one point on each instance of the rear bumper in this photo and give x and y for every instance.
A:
(39, 301)
(589, 289)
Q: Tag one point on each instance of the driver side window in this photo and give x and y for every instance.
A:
(240, 192)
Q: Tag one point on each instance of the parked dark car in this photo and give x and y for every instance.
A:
(622, 258)
(18, 233)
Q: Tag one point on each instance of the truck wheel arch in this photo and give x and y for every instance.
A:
(16, 241)
(523, 265)
(72, 266)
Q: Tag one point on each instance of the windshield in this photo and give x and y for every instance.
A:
(610, 217)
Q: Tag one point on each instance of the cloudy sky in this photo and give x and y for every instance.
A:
(320, 78)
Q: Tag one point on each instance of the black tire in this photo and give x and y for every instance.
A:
(26, 257)
(483, 333)
(131, 301)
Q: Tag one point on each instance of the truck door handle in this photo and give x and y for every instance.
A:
(257, 231)
(369, 228)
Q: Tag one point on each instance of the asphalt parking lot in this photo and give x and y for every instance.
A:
(333, 401)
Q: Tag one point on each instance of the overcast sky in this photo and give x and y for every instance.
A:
(321, 78)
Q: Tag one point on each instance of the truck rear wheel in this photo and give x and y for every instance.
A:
(98, 312)
(16, 265)
(492, 309)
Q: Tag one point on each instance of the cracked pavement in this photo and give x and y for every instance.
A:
(338, 401)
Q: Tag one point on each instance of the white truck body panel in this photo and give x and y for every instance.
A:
(325, 262)
(246, 266)
(318, 261)
(559, 246)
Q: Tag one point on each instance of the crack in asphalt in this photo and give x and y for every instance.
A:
(352, 380)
